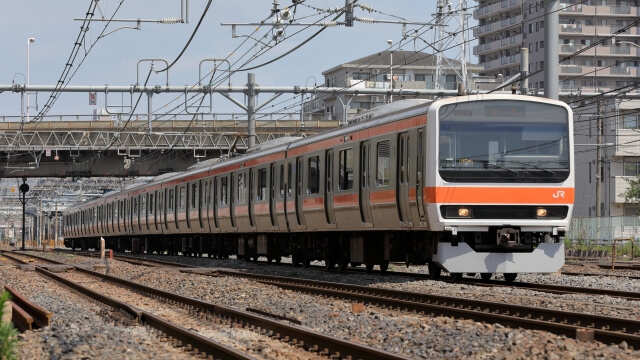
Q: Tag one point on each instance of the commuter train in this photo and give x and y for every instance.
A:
(469, 184)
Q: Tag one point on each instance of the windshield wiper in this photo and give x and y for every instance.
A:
(486, 163)
(533, 166)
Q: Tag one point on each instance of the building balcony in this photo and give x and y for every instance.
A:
(566, 49)
(588, 30)
(614, 10)
(499, 25)
(630, 137)
(616, 71)
(496, 8)
(502, 44)
(502, 62)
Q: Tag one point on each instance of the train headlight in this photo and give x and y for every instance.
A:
(541, 212)
(464, 212)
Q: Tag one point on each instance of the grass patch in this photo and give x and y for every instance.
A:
(8, 333)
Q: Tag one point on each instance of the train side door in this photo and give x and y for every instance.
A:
(420, 177)
(402, 178)
(365, 209)
(232, 201)
(273, 193)
(328, 188)
(252, 196)
(298, 185)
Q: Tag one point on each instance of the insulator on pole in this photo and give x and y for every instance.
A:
(169, 20)
(330, 24)
(366, 20)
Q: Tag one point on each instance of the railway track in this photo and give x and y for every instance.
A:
(314, 342)
(606, 329)
(547, 288)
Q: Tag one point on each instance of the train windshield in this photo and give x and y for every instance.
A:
(504, 141)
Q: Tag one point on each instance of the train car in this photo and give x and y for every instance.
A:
(469, 184)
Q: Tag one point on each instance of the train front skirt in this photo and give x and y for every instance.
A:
(546, 258)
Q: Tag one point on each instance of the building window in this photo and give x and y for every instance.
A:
(313, 186)
(530, 28)
(537, 26)
(542, 44)
(346, 170)
(631, 121)
(631, 168)
(382, 163)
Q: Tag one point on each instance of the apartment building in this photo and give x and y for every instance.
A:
(400, 69)
(507, 26)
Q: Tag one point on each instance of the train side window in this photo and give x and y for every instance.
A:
(346, 170)
(194, 195)
(242, 187)
(382, 163)
(182, 198)
(143, 204)
(313, 187)
(262, 184)
(223, 191)
(151, 204)
(205, 193)
(289, 180)
(135, 206)
(170, 201)
(281, 181)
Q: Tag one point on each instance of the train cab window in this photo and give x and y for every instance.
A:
(170, 200)
(242, 188)
(194, 196)
(382, 163)
(223, 191)
(313, 186)
(289, 180)
(346, 170)
(262, 184)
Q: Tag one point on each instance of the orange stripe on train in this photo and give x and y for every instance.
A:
(486, 195)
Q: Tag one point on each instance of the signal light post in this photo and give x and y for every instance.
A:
(23, 189)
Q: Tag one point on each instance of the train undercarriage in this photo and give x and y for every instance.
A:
(500, 250)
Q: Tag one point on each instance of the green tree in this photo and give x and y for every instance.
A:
(8, 334)
(632, 194)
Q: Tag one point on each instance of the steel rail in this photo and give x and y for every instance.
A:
(186, 336)
(606, 329)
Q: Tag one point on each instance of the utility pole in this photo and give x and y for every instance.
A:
(23, 189)
(599, 162)
(551, 45)
(55, 241)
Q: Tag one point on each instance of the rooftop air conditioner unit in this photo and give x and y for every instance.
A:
(375, 98)
(375, 71)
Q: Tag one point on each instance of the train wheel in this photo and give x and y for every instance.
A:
(369, 266)
(434, 271)
(486, 276)
(456, 277)
(344, 263)
(329, 262)
(278, 259)
(384, 266)
(406, 260)
(510, 277)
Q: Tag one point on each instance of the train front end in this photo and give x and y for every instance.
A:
(502, 192)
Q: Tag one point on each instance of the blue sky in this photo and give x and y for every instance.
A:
(113, 59)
